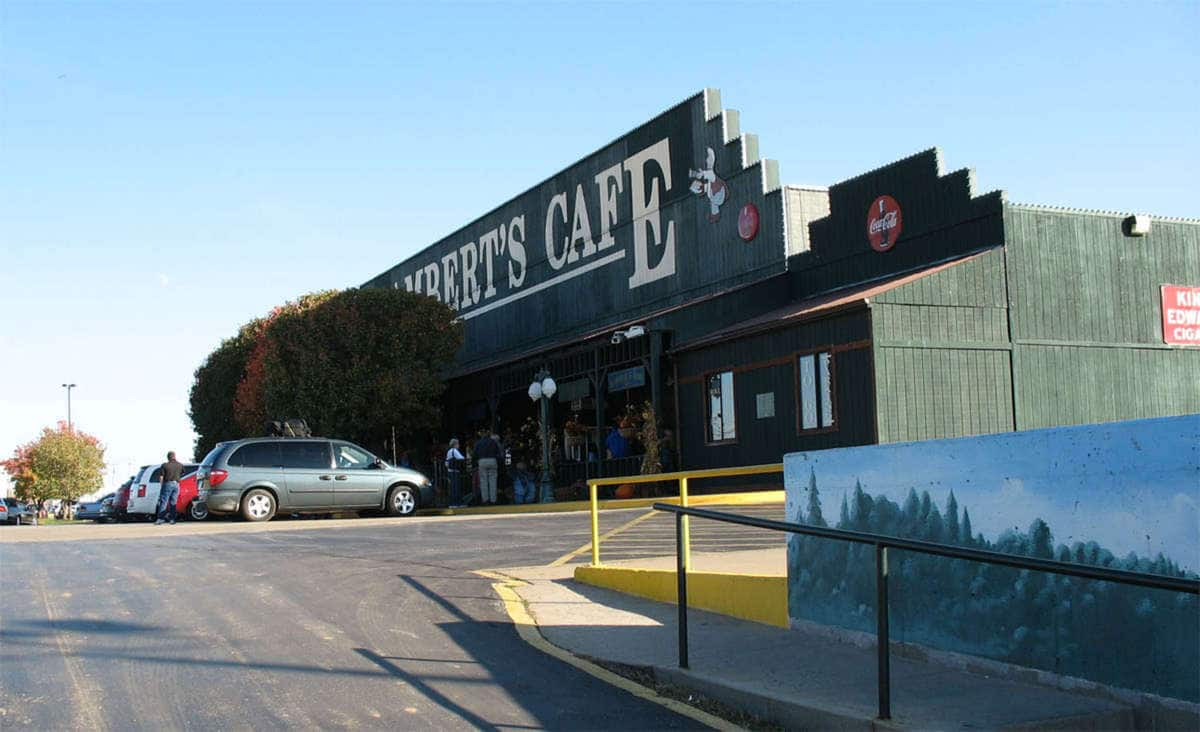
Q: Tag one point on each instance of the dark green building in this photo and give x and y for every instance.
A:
(672, 267)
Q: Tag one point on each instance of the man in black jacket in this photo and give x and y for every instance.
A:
(487, 457)
(168, 494)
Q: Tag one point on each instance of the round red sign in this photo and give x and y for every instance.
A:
(748, 222)
(883, 223)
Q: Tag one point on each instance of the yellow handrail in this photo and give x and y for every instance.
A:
(681, 477)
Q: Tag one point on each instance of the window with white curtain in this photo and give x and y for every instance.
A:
(815, 372)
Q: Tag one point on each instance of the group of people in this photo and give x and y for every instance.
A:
(489, 454)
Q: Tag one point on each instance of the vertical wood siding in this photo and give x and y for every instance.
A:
(931, 393)
(1063, 385)
(941, 354)
(1087, 318)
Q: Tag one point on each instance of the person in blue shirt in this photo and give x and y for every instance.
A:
(524, 486)
(618, 446)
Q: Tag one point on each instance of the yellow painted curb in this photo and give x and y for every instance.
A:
(755, 597)
(528, 631)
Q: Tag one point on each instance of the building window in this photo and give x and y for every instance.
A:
(815, 391)
(722, 424)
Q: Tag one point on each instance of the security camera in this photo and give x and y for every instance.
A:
(635, 331)
(617, 338)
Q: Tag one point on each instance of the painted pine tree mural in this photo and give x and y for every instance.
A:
(1119, 635)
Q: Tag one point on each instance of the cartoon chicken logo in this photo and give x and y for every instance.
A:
(706, 183)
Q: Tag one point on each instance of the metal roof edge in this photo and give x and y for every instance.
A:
(1096, 212)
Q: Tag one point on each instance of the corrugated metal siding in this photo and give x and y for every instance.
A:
(942, 219)
(930, 393)
(804, 205)
(1062, 385)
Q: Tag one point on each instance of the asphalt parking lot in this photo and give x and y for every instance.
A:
(366, 623)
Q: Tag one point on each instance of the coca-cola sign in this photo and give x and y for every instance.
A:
(883, 223)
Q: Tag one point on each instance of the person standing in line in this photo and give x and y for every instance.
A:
(523, 484)
(618, 446)
(454, 466)
(168, 494)
(487, 457)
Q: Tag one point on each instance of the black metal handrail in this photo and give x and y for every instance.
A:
(882, 543)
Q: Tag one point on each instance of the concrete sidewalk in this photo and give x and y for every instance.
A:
(807, 679)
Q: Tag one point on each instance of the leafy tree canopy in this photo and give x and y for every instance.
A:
(361, 362)
(215, 388)
(63, 463)
(353, 363)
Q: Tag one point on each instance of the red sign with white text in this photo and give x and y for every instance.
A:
(1181, 315)
(883, 223)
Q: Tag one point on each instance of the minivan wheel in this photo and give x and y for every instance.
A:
(402, 501)
(197, 510)
(258, 505)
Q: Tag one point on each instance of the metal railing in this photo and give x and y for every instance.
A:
(681, 477)
(882, 543)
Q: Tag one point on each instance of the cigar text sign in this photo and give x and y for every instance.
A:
(1181, 315)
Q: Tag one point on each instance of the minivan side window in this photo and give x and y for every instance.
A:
(350, 457)
(312, 455)
(256, 455)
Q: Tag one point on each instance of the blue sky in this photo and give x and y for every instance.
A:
(170, 170)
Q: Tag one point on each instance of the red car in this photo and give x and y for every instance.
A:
(121, 499)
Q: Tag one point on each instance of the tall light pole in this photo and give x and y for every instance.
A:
(542, 388)
(69, 387)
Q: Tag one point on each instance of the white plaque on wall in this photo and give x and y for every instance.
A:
(765, 404)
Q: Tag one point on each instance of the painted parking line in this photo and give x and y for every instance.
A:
(586, 548)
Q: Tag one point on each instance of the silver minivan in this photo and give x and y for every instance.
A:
(258, 477)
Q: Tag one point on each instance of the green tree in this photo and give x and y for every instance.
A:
(250, 411)
(952, 527)
(360, 362)
(814, 501)
(63, 463)
(215, 389)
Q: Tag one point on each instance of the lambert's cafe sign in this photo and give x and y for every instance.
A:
(669, 212)
(576, 232)
(1181, 315)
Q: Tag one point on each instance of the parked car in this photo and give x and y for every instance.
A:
(258, 477)
(13, 511)
(143, 494)
(121, 499)
(98, 510)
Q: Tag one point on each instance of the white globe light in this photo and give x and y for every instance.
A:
(535, 391)
(549, 387)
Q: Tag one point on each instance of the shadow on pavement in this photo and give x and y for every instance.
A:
(38, 628)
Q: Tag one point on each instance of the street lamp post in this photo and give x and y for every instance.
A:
(541, 390)
(69, 387)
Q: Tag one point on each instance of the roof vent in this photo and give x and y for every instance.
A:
(1136, 225)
